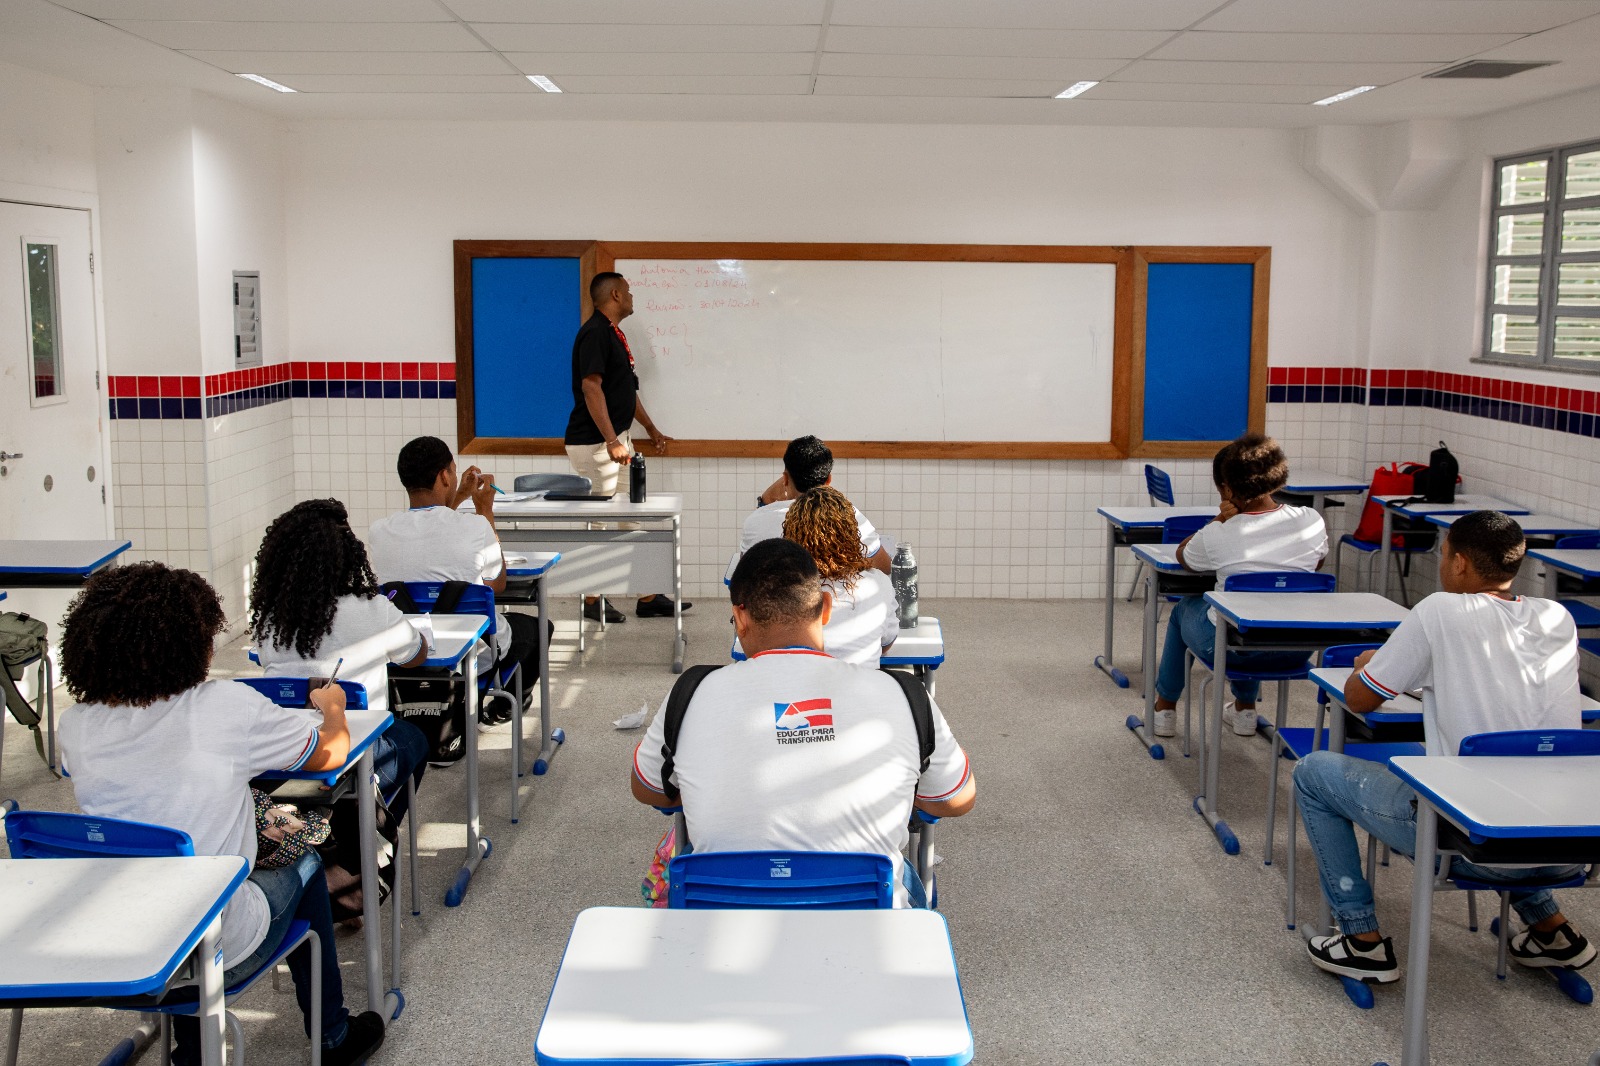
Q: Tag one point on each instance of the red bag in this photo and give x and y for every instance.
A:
(1396, 479)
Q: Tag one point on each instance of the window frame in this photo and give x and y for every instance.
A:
(59, 396)
(1546, 309)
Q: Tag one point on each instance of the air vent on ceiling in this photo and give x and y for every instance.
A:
(1485, 68)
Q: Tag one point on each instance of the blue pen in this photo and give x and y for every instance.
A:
(498, 489)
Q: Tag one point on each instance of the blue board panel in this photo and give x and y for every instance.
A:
(525, 313)
(1197, 351)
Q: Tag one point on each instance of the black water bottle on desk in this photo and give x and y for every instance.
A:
(636, 478)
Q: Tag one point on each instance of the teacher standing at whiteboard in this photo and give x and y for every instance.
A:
(605, 404)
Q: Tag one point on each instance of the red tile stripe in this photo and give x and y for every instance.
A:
(130, 386)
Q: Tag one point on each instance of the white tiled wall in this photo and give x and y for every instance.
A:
(160, 490)
(250, 481)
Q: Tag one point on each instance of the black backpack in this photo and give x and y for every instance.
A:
(23, 642)
(1438, 483)
(683, 691)
(431, 698)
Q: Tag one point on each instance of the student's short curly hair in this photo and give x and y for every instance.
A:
(776, 581)
(1492, 542)
(809, 462)
(139, 633)
(1250, 467)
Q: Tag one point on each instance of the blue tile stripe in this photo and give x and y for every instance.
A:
(150, 408)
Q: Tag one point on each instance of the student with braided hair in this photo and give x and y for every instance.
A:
(863, 621)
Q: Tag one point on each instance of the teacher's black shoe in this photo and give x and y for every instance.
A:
(657, 607)
(362, 1037)
(591, 611)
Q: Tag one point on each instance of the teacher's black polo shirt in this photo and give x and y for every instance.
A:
(599, 349)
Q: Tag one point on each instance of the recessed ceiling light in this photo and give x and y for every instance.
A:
(1076, 90)
(268, 82)
(1347, 94)
(544, 83)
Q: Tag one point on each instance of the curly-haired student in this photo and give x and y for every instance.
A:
(1252, 533)
(313, 602)
(862, 620)
(153, 741)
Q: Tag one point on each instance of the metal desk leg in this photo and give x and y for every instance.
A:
(371, 920)
(1145, 730)
(1415, 1044)
(549, 739)
(212, 1009)
(478, 845)
(1206, 803)
(678, 644)
(1385, 551)
(1104, 662)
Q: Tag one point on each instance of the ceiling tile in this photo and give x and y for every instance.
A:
(307, 36)
(1438, 48)
(1222, 94)
(644, 12)
(287, 63)
(983, 87)
(512, 37)
(407, 83)
(1347, 74)
(1081, 44)
(653, 63)
(1065, 71)
(1024, 14)
(1580, 41)
(1398, 16)
(714, 86)
(259, 11)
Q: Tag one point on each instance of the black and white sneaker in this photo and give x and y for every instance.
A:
(1563, 946)
(1351, 958)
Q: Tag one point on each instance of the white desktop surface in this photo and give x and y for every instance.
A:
(1308, 610)
(618, 508)
(1133, 515)
(1510, 796)
(58, 556)
(1463, 504)
(1583, 562)
(530, 564)
(105, 924)
(1307, 480)
(1163, 557)
(450, 635)
(639, 984)
(1533, 525)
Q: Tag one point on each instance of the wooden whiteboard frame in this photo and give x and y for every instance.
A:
(597, 256)
(1256, 420)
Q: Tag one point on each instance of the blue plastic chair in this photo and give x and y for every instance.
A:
(1175, 531)
(1265, 581)
(56, 835)
(814, 880)
(1158, 485)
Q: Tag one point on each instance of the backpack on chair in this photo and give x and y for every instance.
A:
(431, 698)
(23, 641)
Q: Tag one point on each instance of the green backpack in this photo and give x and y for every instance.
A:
(22, 641)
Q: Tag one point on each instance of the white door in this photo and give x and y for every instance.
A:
(52, 411)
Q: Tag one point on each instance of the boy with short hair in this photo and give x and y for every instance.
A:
(1487, 661)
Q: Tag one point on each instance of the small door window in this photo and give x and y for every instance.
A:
(44, 320)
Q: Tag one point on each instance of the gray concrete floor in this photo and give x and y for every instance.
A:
(1094, 918)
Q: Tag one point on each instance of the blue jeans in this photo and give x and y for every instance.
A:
(298, 891)
(400, 751)
(1190, 629)
(1338, 793)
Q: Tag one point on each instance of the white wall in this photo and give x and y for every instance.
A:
(46, 131)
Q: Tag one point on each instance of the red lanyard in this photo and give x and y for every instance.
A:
(624, 341)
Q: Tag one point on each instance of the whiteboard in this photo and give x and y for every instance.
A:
(739, 349)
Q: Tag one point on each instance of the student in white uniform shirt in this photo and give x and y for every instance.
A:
(151, 740)
(432, 541)
(315, 602)
(807, 464)
(748, 782)
(862, 619)
(1252, 533)
(1487, 661)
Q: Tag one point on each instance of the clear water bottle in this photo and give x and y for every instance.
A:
(903, 576)
(636, 479)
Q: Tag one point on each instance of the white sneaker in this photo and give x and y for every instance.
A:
(1166, 723)
(1243, 723)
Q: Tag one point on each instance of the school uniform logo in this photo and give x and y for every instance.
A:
(804, 721)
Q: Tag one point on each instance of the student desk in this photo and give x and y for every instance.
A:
(1399, 505)
(1125, 527)
(1581, 563)
(1280, 621)
(1319, 485)
(598, 561)
(455, 638)
(1165, 576)
(535, 566)
(645, 987)
(1490, 798)
(1533, 525)
(365, 726)
(85, 931)
(921, 648)
(33, 564)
